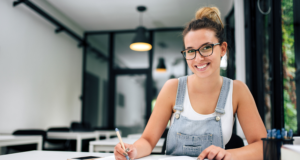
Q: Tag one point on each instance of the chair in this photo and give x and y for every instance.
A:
(164, 135)
(234, 142)
(81, 127)
(60, 145)
(104, 128)
(28, 147)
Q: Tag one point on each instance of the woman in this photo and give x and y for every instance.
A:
(202, 106)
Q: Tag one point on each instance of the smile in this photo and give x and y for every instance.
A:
(202, 66)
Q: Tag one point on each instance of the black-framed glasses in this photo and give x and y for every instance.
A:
(205, 51)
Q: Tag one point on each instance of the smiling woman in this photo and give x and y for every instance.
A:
(201, 106)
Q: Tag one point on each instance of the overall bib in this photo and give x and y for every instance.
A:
(190, 137)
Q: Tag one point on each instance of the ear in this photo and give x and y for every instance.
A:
(223, 48)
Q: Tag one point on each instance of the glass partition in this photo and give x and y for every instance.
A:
(167, 45)
(130, 101)
(289, 67)
(124, 57)
(96, 77)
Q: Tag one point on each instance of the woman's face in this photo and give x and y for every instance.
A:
(204, 66)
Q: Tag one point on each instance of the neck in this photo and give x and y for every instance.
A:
(206, 85)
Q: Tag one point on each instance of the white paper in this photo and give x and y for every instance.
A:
(102, 158)
(108, 158)
(293, 147)
(180, 158)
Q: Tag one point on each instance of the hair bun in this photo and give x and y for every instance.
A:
(211, 13)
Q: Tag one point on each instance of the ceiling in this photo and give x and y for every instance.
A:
(103, 15)
(92, 15)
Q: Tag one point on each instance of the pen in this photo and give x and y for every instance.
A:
(290, 134)
(278, 135)
(273, 133)
(120, 139)
(283, 136)
(269, 134)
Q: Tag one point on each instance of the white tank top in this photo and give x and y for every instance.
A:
(227, 118)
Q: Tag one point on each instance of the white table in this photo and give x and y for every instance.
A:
(78, 136)
(108, 145)
(10, 140)
(107, 133)
(55, 155)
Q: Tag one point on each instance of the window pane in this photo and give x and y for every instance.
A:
(130, 101)
(124, 57)
(266, 73)
(289, 68)
(96, 80)
(167, 45)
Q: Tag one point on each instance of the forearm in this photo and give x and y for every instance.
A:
(143, 148)
(253, 151)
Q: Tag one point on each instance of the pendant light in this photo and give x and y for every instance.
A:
(161, 67)
(140, 42)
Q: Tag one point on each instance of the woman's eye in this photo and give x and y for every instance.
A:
(207, 47)
(190, 51)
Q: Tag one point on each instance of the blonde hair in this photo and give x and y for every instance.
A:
(211, 13)
(208, 18)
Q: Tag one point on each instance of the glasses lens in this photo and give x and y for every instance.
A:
(206, 50)
(189, 53)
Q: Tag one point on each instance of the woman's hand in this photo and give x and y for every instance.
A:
(216, 153)
(120, 154)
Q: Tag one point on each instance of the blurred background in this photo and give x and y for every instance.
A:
(70, 61)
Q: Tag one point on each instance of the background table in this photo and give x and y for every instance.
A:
(109, 144)
(78, 136)
(107, 133)
(10, 140)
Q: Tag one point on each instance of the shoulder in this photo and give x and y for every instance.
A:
(169, 91)
(172, 82)
(240, 93)
(239, 86)
(170, 87)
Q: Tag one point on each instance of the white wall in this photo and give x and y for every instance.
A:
(40, 70)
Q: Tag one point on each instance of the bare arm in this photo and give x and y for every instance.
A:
(251, 124)
(158, 120)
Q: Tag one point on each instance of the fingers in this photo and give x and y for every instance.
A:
(204, 153)
(220, 155)
(119, 152)
(214, 152)
(128, 148)
(228, 156)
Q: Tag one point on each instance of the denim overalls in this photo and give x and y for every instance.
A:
(191, 137)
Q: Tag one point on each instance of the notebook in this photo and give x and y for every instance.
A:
(167, 158)
(180, 158)
(290, 152)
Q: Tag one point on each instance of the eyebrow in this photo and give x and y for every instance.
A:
(200, 46)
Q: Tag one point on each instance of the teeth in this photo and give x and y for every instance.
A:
(200, 67)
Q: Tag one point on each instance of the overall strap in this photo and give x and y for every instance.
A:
(180, 93)
(223, 96)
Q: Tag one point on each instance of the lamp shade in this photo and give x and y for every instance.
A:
(161, 67)
(140, 42)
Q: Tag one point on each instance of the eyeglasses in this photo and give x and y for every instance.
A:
(205, 51)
